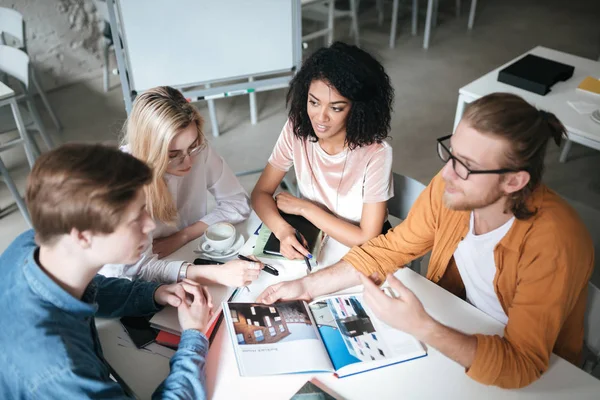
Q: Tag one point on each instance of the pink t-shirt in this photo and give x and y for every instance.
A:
(341, 182)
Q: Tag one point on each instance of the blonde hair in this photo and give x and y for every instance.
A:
(158, 115)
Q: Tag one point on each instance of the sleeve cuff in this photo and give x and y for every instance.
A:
(146, 303)
(486, 366)
(377, 199)
(354, 259)
(210, 219)
(172, 271)
(279, 167)
(194, 340)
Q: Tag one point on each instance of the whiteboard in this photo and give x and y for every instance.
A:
(186, 42)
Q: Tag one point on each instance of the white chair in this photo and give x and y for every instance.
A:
(107, 42)
(8, 98)
(11, 23)
(320, 11)
(13, 189)
(406, 192)
(592, 328)
(431, 17)
(15, 63)
(328, 30)
(395, 9)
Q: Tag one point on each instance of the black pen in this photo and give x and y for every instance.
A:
(267, 267)
(301, 240)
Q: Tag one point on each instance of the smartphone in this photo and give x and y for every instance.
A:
(139, 330)
(204, 261)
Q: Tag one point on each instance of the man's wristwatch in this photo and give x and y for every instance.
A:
(183, 272)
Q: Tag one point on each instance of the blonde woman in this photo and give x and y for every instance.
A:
(165, 131)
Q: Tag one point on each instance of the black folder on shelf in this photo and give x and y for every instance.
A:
(535, 74)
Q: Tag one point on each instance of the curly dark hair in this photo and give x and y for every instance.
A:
(357, 76)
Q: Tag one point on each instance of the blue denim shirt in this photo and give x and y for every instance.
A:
(49, 346)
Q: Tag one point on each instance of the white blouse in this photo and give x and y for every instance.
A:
(209, 173)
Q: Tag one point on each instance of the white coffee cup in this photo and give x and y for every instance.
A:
(218, 238)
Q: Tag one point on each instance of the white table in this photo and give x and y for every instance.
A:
(580, 128)
(433, 377)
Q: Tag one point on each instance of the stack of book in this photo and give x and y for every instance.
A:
(167, 322)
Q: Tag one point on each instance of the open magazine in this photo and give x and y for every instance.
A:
(336, 334)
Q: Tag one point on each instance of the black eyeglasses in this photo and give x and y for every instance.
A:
(459, 167)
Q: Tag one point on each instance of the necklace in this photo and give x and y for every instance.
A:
(312, 176)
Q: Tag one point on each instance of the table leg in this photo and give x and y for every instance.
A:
(472, 14)
(394, 24)
(428, 24)
(212, 112)
(27, 144)
(330, 15)
(460, 109)
(565, 151)
(253, 113)
(415, 16)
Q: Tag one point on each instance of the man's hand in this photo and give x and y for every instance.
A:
(290, 290)
(195, 311)
(169, 244)
(405, 312)
(169, 294)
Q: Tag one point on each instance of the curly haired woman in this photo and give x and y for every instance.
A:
(340, 105)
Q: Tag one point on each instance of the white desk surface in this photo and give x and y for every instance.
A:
(5, 91)
(556, 100)
(431, 377)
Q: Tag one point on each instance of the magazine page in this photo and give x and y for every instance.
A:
(356, 340)
(275, 339)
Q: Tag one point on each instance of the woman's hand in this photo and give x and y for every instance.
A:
(167, 245)
(238, 273)
(234, 273)
(290, 204)
(289, 246)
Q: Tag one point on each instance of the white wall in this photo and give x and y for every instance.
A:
(63, 39)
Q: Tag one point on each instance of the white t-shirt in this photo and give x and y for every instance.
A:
(209, 173)
(474, 259)
(341, 182)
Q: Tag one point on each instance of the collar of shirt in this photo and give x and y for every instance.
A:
(43, 286)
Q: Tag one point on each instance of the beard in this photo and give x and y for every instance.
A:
(459, 202)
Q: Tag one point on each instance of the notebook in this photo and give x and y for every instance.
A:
(336, 334)
(166, 320)
(311, 233)
(535, 74)
(590, 85)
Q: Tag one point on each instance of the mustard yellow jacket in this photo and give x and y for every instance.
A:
(543, 265)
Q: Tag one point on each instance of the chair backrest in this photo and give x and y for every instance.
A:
(15, 63)
(11, 22)
(592, 319)
(406, 191)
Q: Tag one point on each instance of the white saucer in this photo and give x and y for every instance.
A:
(215, 255)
